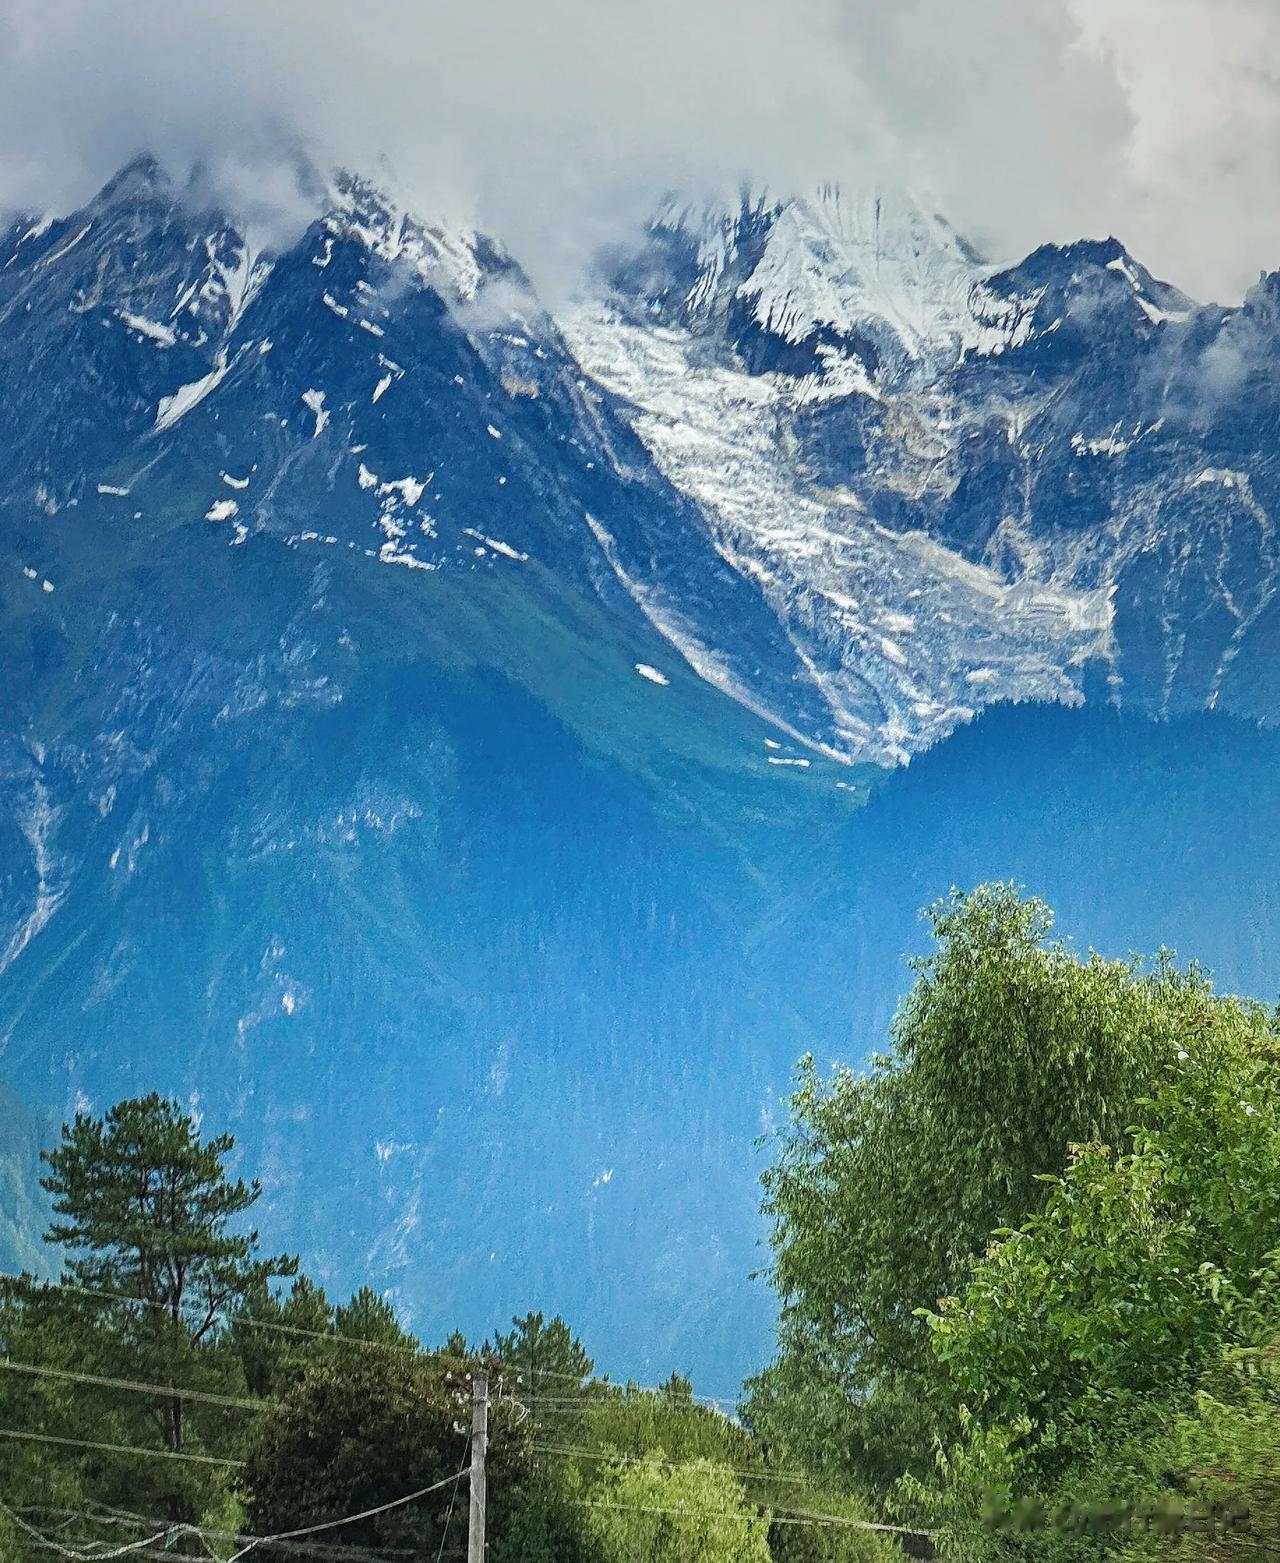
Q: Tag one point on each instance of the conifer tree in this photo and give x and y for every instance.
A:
(546, 1355)
(146, 1211)
(369, 1317)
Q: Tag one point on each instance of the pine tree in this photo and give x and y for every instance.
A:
(278, 1338)
(369, 1317)
(545, 1354)
(148, 1212)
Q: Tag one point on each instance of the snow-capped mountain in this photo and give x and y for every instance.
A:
(952, 484)
(437, 729)
(872, 484)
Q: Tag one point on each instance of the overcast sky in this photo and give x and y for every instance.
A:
(555, 123)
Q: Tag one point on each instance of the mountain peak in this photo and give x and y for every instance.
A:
(141, 176)
(868, 275)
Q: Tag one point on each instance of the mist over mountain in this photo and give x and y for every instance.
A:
(559, 129)
(459, 744)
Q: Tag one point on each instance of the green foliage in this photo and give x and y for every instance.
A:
(1029, 1260)
(823, 1411)
(677, 1388)
(828, 1541)
(371, 1318)
(275, 1335)
(548, 1525)
(887, 1183)
(367, 1429)
(625, 1420)
(1142, 1266)
(146, 1213)
(280, 1338)
(1226, 1448)
(616, 1426)
(149, 1205)
(653, 1511)
(547, 1358)
(45, 1326)
(1091, 1346)
(338, 1409)
(1143, 1486)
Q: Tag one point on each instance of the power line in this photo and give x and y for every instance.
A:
(632, 1459)
(250, 1541)
(591, 1404)
(235, 1320)
(681, 1465)
(170, 1391)
(91, 1557)
(348, 1519)
(77, 1552)
(235, 1402)
(799, 1516)
(151, 1454)
(453, 1498)
(596, 1387)
(181, 1392)
(285, 1536)
(828, 1520)
(335, 1554)
(624, 1389)
(585, 1383)
(346, 1551)
(602, 1386)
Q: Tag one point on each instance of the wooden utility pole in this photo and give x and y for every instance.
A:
(479, 1446)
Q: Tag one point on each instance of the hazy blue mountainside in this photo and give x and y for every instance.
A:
(425, 726)
(24, 1207)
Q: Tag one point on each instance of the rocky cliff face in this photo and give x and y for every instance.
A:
(953, 484)
(857, 480)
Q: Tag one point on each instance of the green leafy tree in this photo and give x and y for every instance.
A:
(627, 1420)
(148, 1222)
(149, 1206)
(282, 1337)
(457, 1348)
(1225, 1450)
(653, 1511)
(677, 1388)
(369, 1428)
(620, 1425)
(841, 1536)
(1091, 1325)
(887, 1182)
(548, 1524)
(46, 1326)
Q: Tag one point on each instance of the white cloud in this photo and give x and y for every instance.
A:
(556, 125)
(1202, 163)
